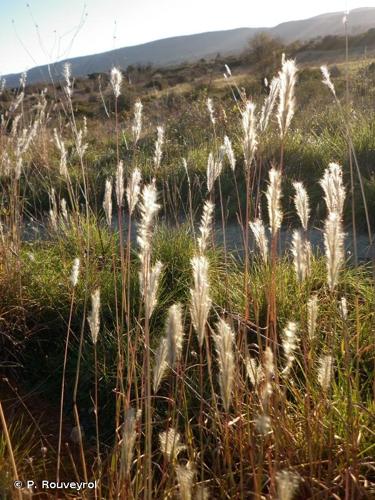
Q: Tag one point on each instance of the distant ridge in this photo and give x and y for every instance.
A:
(175, 50)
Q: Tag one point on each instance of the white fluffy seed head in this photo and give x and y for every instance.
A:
(116, 81)
(159, 146)
(75, 272)
(170, 444)
(129, 435)
(214, 168)
(63, 154)
(301, 202)
(67, 75)
(259, 232)
(148, 208)
(269, 104)
(325, 372)
(290, 343)
(343, 307)
(273, 195)
(185, 478)
(249, 131)
(301, 250)
(254, 371)
(2, 85)
(263, 424)
(150, 287)
(107, 202)
(93, 318)
(229, 152)
(211, 110)
(327, 79)
(133, 189)
(287, 102)
(269, 367)
(120, 184)
(174, 334)
(287, 484)
(333, 188)
(224, 340)
(161, 364)
(137, 122)
(312, 315)
(64, 211)
(200, 300)
(334, 248)
(206, 226)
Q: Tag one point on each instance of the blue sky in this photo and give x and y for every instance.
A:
(42, 31)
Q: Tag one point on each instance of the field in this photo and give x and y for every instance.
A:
(169, 326)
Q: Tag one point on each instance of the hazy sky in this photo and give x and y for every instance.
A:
(41, 31)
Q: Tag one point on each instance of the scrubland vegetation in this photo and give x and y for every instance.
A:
(138, 349)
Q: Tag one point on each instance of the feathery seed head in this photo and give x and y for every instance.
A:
(64, 211)
(301, 202)
(269, 104)
(185, 477)
(269, 371)
(148, 208)
(75, 272)
(287, 102)
(2, 85)
(137, 123)
(290, 344)
(214, 168)
(149, 287)
(174, 334)
(205, 227)
(170, 444)
(120, 184)
(67, 75)
(334, 248)
(200, 300)
(211, 111)
(327, 79)
(312, 315)
(133, 189)
(224, 340)
(116, 81)
(259, 231)
(325, 372)
(129, 435)
(229, 153)
(273, 195)
(269, 367)
(93, 318)
(63, 154)
(301, 251)
(159, 146)
(343, 307)
(254, 371)
(161, 363)
(249, 130)
(333, 188)
(263, 424)
(107, 202)
(287, 484)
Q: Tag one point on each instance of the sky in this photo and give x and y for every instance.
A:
(44, 31)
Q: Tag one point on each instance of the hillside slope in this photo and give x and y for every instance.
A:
(179, 49)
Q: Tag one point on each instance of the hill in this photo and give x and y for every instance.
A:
(172, 51)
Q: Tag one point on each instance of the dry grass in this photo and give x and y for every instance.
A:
(178, 369)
